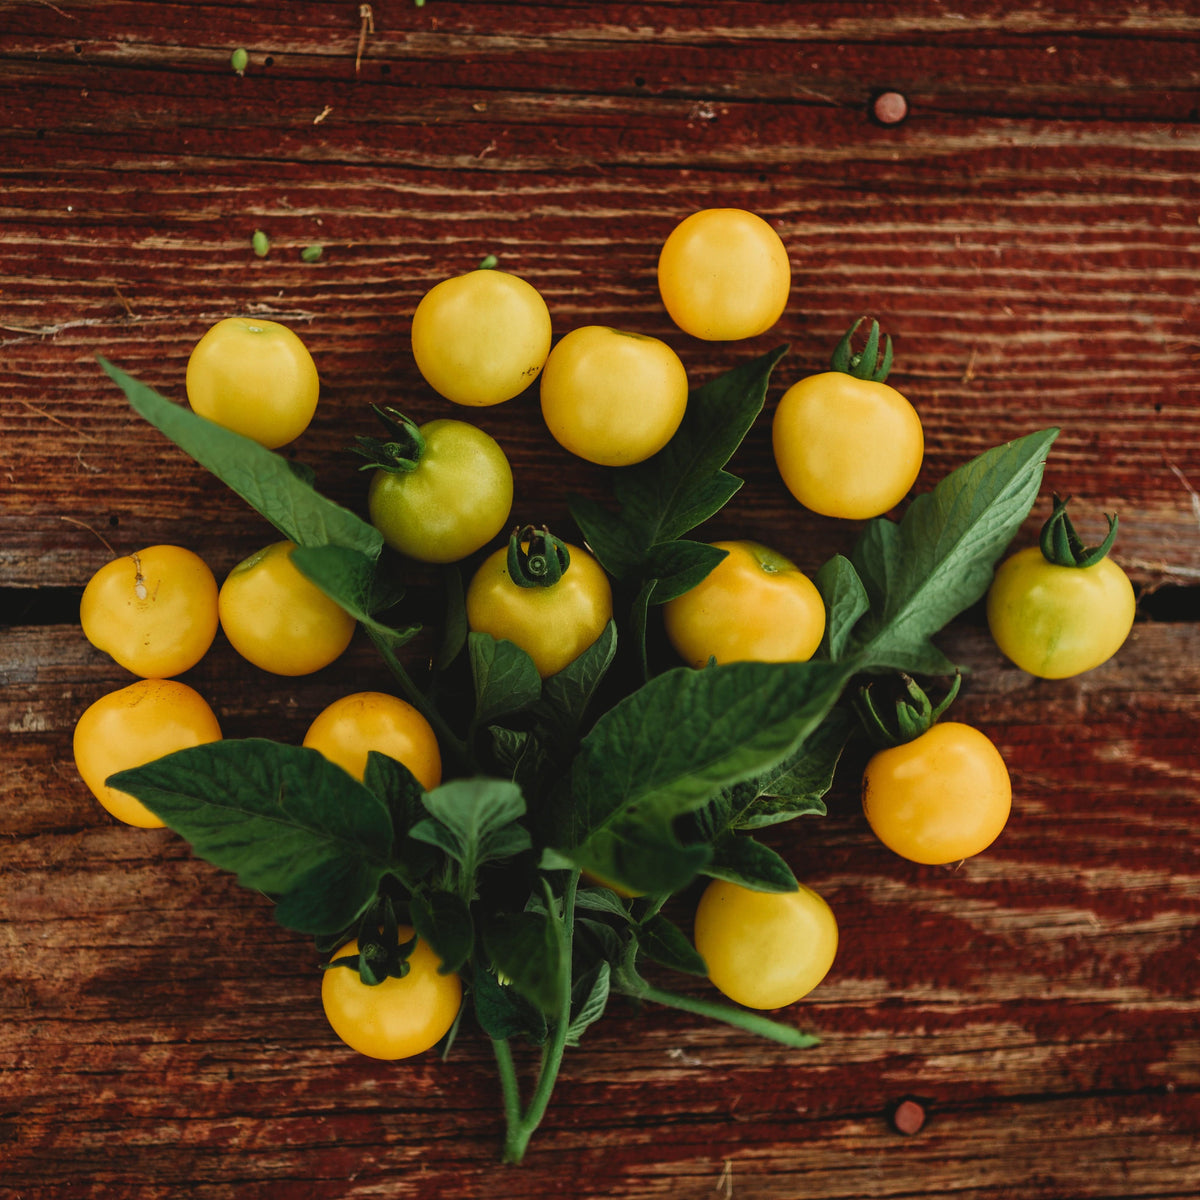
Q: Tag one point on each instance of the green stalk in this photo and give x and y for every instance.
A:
(446, 736)
(521, 1126)
(764, 1027)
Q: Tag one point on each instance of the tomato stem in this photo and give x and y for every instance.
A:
(401, 453)
(521, 1126)
(536, 558)
(866, 364)
(1063, 547)
(914, 716)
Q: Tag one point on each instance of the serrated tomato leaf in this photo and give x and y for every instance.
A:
(525, 949)
(284, 819)
(739, 859)
(348, 577)
(265, 480)
(938, 561)
(443, 920)
(667, 749)
(682, 485)
(506, 680)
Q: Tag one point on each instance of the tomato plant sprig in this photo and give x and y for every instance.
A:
(551, 774)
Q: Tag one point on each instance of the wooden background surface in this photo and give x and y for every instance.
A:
(1029, 235)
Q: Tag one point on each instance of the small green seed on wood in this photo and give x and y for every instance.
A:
(312, 253)
(239, 60)
(261, 243)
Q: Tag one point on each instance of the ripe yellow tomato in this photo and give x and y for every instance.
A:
(278, 620)
(481, 338)
(154, 612)
(132, 727)
(395, 1018)
(254, 377)
(765, 949)
(554, 625)
(1057, 621)
(723, 274)
(612, 397)
(349, 728)
(847, 447)
(753, 606)
(940, 798)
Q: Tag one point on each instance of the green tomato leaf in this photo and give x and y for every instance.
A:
(503, 1013)
(474, 821)
(679, 566)
(565, 697)
(796, 786)
(589, 998)
(742, 860)
(506, 681)
(682, 485)
(665, 943)
(264, 479)
(846, 600)
(396, 786)
(668, 748)
(524, 948)
(444, 921)
(939, 559)
(283, 818)
(347, 577)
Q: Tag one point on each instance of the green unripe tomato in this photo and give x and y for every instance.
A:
(456, 499)
(1057, 621)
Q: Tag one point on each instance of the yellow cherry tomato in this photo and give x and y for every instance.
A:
(275, 618)
(612, 397)
(847, 447)
(254, 377)
(723, 274)
(1057, 621)
(940, 798)
(395, 1018)
(481, 338)
(765, 949)
(349, 728)
(154, 612)
(554, 625)
(754, 605)
(132, 727)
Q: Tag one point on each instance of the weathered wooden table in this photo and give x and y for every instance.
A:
(1029, 234)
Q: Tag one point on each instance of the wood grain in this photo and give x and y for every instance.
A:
(1040, 1000)
(1029, 234)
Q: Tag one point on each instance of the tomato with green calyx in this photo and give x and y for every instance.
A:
(765, 949)
(546, 596)
(753, 606)
(846, 444)
(254, 377)
(940, 792)
(396, 1017)
(438, 491)
(1060, 608)
(481, 338)
(154, 611)
(277, 619)
(134, 726)
(723, 274)
(612, 397)
(349, 728)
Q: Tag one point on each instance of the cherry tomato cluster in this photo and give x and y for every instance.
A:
(846, 444)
